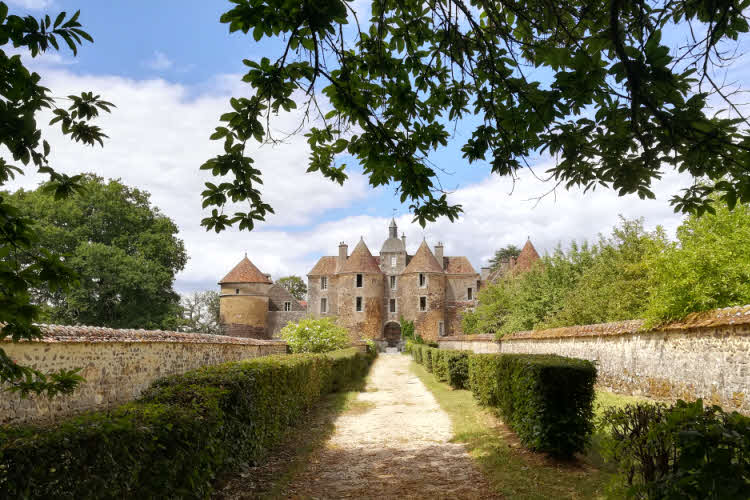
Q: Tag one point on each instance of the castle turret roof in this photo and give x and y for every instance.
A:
(527, 257)
(325, 266)
(245, 272)
(423, 261)
(360, 261)
(458, 265)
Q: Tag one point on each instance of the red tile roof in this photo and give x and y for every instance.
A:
(527, 257)
(245, 272)
(360, 261)
(326, 266)
(458, 265)
(423, 261)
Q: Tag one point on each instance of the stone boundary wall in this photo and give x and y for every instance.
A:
(117, 364)
(276, 320)
(705, 356)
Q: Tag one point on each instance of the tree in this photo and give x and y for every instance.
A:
(504, 255)
(124, 251)
(707, 268)
(588, 83)
(294, 285)
(315, 335)
(200, 312)
(24, 264)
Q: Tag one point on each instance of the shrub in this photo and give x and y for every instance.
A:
(456, 366)
(418, 350)
(315, 335)
(546, 399)
(683, 451)
(427, 355)
(439, 367)
(407, 329)
(173, 440)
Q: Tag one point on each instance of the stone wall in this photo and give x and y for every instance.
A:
(705, 356)
(276, 320)
(117, 364)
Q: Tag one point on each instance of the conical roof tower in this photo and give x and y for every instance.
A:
(527, 257)
(245, 272)
(360, 261)
(423, 261)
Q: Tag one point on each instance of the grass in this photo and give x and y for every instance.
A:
(512, 470)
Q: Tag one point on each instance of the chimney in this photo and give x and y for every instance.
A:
(485, 273)
(439, 254)
(403, 238)
(343, 254)
(268, 276)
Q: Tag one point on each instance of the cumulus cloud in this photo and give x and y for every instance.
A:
(31, 4)
(159, 61)
(159, 137)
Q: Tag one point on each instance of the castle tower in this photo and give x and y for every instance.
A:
(423, 293)
(359, 283)
(243, 302)
(527, 257)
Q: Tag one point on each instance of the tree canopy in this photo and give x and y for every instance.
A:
(503, 255)
(24, 264)
(200, 312)
(294, 285)
(612, 92)
(123, 250)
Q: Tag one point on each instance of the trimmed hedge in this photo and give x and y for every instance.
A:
(546, 399)
(173, 440)
(427, 355)
(438, 365)
(456, 367)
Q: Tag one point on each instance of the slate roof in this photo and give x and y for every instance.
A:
(527, 257)
(360, 261)
(326, 266)
(423, 261)
(458, 265)
(245, 272)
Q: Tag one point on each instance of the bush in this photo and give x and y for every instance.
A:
(418, 352)
(428, 357)
(173, 440)
(546, 399)
(407, 329)
(439, 367)
(456, 366)
(315, 335)
(683, 451)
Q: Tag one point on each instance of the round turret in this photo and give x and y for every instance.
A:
(243, 303)
(360, 285)
(423, 293)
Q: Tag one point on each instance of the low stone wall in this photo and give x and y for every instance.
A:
(276, 320)
(117, 364)
(705, 356)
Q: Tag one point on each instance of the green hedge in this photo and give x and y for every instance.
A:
(173, 440)
(546, 399)
(427, 356)
(439, 369)
(417, 351)
(456, 367)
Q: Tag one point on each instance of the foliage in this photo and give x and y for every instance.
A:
(708, 268)
(200, 312)
(407, 330)
(439, 368)
(590, 84)
(586, 284)
(683, 451)
(315, 335)
(24, 264)
(546, 399)
(427, 357)
(456, 367)
(173, 441)
(503, 255)
(294, 285)
(124, 251)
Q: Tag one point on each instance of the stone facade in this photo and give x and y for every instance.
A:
(428, 288)
(705, 356)
(117, 365)
(252, 306)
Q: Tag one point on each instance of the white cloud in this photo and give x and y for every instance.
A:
(159, 137)
(32, 4)
(159, 61)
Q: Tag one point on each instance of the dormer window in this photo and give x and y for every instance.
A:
(359, 281)
(422, 280)
(287, 306)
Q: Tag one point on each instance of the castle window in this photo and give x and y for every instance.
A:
(323, 305)
(359, 281)
(392, 305)
(393, 261)
(287, 306)
(358, 304)
(422, 280)
(236, 291)
(469, 293)
(422, 304)
(441, 328)
(324, 283)
(393, 282)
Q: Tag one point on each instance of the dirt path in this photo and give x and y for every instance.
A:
(392, 443)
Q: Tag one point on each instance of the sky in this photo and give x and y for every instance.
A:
(170, 68)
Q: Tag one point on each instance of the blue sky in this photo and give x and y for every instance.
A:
(170, 67)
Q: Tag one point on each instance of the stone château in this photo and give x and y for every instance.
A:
(367, 294)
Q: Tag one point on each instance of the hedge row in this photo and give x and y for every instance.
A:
(173, 440)
(546, 399)
(448, 366)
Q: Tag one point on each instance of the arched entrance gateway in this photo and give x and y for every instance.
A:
(392, 333)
